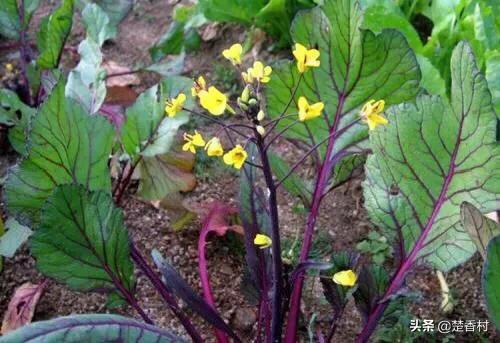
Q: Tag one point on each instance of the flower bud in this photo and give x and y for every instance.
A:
(245, 95)
(252, 102)
(260, 129)
(261, 115)
(242, 104)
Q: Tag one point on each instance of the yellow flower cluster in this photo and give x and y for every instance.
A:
(235, 157)
(258, 72)
(370, 114)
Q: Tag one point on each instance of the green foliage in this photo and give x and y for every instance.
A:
(86, 82)
(480, 228)
(17, 115)
(491, 280)
(82, 241)
(10, 22)
(182, 34)
(15, 236)
(148, 138)
(90, 328)
(273, 16)
(66, 146)
(52, 35)
(116, 10)
(377, 246)
(430, 158)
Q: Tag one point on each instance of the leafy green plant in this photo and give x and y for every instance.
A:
(377, 246)
(425, 156)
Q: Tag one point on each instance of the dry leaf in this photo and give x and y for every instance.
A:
(112, 67)
(209, 31)
(22, 306)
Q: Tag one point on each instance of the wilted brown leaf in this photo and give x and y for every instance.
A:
(22, 306)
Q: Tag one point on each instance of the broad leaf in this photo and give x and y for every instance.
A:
(13, 112)
(66, 146)
(433, 156)
(491, 280)
(15, 236)
(86, 82)
(90, 328)
(356, 66)
(115, 9)
(480, 228)
(82, 241)
(177, 285)
(168, 68)
(52, 37)
(165, 174)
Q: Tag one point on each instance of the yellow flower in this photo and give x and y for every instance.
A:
(305, 57)
(174, 105)
(193, 141)
(262, 241)
(235, 157)
(214, 148)
(370, 114)
(307, 111)
(198, 86)
(233, 54)
(345, 278)
(9, 67)
(213, 101)
(258, 72)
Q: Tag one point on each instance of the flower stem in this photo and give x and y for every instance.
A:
(277, 287)
(165, 294)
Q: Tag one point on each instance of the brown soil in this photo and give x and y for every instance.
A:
(343, 218)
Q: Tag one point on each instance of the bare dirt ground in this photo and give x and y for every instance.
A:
(343, 219)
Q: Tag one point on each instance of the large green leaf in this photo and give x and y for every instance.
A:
(82, 241)
(13, 112)
(90, 328)
(9, 19)
(52, 37)
(356, 66)
(491, 280)
(115, 9)
(66, 146)
(480, 228)
(433, 156)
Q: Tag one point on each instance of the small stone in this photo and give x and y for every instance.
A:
(244, 319)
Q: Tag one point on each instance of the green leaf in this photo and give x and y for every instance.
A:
(147, 130)
(431, 81)
(168, 68)
(275, 19)
(293, 183)
(82, 241)
(97, 24)
(239, 11)
(52, 38)
(66, 146)
(9, 19)
(491, 280)
(433, 156)
(90, 328)
(15, 236)
(356, 66)
(13, 112)
(480, 228)
(161, 175)
(493, 77)
(87, 81)
(115, 9)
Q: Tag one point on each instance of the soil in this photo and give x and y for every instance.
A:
(343, 218)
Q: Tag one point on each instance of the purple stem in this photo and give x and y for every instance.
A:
(165, 294)
(24, 58)
(319, 189)
(205, 281)
(277, 287)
